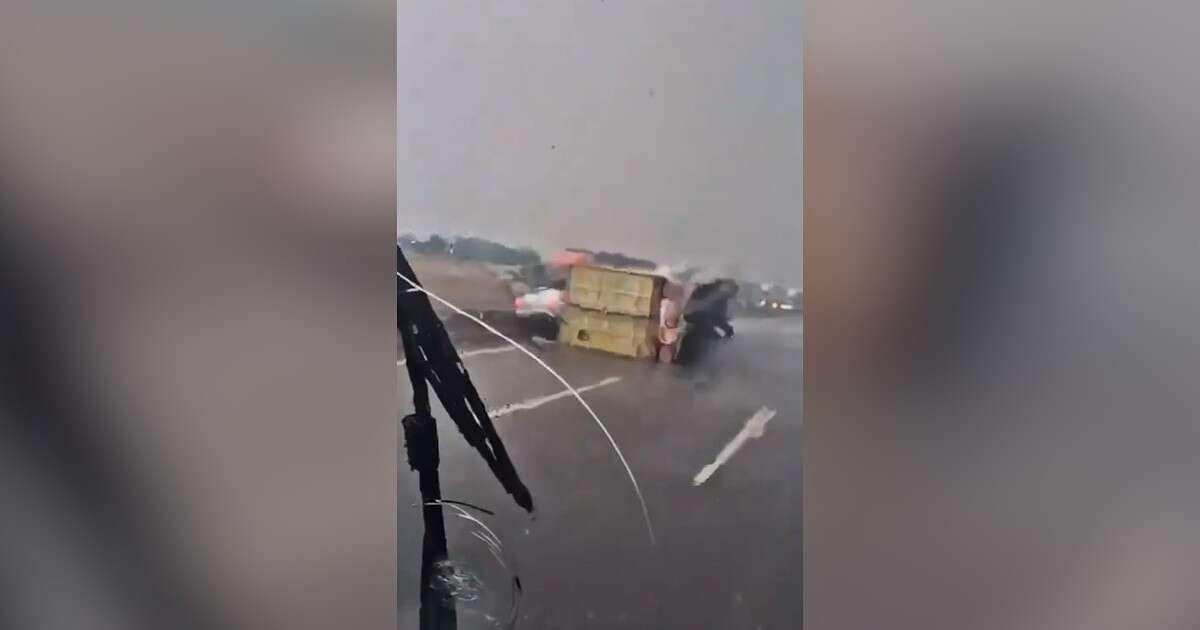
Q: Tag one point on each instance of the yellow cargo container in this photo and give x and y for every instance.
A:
(615, 290)
(615, 333)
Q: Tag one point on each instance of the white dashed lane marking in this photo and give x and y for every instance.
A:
(476, 352)
(533, 403)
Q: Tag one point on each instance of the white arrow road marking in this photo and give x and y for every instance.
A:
(478, 351)
(533, 403)
(756, 425)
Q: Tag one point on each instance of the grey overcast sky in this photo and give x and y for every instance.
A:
(670, 129)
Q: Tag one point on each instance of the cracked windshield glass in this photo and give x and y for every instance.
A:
(599, 315)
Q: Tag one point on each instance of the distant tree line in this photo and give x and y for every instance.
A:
(471, 248)
(616, 259)
(487, 251)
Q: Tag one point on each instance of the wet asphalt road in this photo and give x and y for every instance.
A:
(728, 553)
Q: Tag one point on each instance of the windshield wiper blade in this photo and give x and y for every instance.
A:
(432, 358)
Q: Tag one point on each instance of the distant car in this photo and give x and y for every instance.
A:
(543, 301)
(539, 311)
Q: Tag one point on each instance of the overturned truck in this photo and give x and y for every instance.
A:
(612, 310)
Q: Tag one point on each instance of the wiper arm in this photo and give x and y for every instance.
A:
(431, 359)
